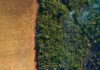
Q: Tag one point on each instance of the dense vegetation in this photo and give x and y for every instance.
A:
(67, 32)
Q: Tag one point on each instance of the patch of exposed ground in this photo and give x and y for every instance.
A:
(17, 34)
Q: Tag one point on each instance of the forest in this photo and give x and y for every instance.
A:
(68, 35)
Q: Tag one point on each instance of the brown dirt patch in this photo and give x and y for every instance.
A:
(17, 34)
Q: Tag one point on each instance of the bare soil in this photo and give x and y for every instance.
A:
(17, 34)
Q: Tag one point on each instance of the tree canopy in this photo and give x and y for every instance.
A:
(67, 32)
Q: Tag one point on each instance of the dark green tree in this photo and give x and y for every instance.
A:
(88, 22)
(67, 31)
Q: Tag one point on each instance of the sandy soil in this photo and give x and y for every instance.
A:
(17, 34)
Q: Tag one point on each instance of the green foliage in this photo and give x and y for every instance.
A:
(60, 42)
(49, 34)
